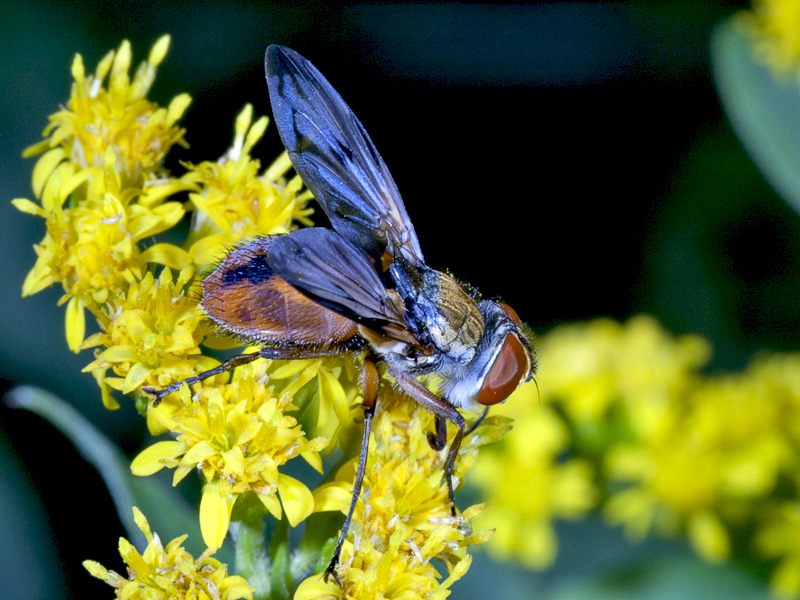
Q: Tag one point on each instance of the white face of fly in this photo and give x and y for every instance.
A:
(502, 361)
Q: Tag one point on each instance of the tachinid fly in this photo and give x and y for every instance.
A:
(362, 286)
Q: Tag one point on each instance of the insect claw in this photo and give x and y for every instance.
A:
(451, 492)
(160, 394)
(330, 571)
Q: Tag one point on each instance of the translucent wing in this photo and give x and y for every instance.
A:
(246, 297)
(324, 265)
(338, 162)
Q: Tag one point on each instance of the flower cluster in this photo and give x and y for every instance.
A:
(403, 521)
(101, 185)
(662, 446)
(238, 435)
(527, 486)
(169, 572)
(104, 194)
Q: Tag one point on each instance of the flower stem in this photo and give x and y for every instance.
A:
(252, 555)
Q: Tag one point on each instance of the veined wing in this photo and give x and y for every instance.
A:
(323, 264)
(336, 158)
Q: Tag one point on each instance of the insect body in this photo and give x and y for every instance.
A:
(362, 285)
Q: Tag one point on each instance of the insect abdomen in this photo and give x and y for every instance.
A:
(244, 296)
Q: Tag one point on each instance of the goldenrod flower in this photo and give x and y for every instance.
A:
(403, 521)
(117, 117)
(103, 195)
(99, 192)
(591, 368)
(779, 538)
(91, 244)
(152, 336)
(774, 26)
(526, 485)
(169, 573)
(233, 201)
(714, 451)
(238, 435)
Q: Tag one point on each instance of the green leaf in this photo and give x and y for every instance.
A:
(763, 109)
(168, 512)
(318, 543)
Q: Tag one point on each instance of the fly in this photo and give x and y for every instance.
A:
(362, 286)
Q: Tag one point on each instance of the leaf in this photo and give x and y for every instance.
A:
(318, 543)
(168, 512)
(763, 109)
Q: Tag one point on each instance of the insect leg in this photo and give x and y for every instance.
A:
(437, 440)
(441, 409)
(370, 393)
(269, 352)
(474, 425)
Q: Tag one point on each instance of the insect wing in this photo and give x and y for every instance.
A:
(336, 158)
(324, 265)
(245, 296)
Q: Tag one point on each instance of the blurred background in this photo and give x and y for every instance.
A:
(572, 157)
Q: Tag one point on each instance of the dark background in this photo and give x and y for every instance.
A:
(572, 157)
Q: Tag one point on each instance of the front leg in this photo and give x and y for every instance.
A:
(441, 409)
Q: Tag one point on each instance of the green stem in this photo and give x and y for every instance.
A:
(252, 555)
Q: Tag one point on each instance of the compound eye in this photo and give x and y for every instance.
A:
(510, 313)
(507, 371)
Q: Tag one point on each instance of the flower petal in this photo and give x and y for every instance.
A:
(215, 515)
(76, 324)
(333, 496)
(296, 499)
(151, 460)
(44, 167)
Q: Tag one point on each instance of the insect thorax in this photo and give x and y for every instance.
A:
(440, 311)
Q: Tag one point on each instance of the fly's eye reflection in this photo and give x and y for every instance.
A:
(362, 286)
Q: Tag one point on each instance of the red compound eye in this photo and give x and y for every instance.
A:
(510, 313)
(507, 372)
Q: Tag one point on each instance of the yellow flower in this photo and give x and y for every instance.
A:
(779, 538)
(590, 368)
(403, 520)
(91, 246)
(238, 435)
(717, 449)
(678, 482)
(774, 26)
(233, 201)
(151, 336)
(103, 195)
(169, 573)
(116, 117)
(99, 192)
(527, 487)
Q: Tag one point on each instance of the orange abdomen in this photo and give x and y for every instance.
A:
(244, 296)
